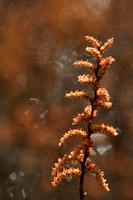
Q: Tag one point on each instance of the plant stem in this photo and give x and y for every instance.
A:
(89, 134)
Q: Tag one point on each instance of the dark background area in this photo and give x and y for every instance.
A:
(39, 42)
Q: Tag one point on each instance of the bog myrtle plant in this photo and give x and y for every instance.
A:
(99, 98)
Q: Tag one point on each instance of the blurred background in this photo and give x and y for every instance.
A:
(39, 42)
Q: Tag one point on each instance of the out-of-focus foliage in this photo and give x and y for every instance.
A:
(39, 41)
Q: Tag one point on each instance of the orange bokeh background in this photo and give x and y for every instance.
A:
(39, 42)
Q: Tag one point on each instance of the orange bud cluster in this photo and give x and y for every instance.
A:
(95, 52)
(103, 93)
(66, 173)
(76, 155)
(61, 163)
(93, 41)
(86, 64)
(106, 61)
(85, 116)
(85, 143)
(102, 72)
(79, 150)
(106, 45)
(89, 80)
(79, 94)
(93, 168)
(104, 66)
(104, 128)
(78, 118)
(88, 111)
(72, 133)
(101, 103)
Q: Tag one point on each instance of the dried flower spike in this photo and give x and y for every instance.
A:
(95, 52)
(105, 128)
(100, 99)
(79, 94)
(93, 168)
(93, 41)
(72, 133)
(86, 64)
(106, 45)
